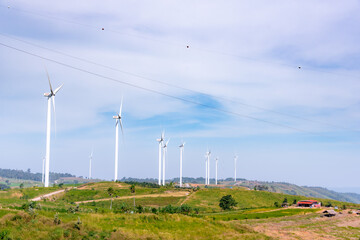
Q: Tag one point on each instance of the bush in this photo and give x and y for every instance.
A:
(143, 184)
(4, 234)
(139, 209)
(328, 204)
(185, 209)
(227, 202)
(276, 204)
(154, 210)
(77, 225)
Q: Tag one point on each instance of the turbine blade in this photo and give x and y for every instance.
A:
(116, 123)
(47, 74)
(56, 90)
(122, 131)
(121, 106)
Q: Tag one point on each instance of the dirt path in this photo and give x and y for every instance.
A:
(342, 226)
(166, 194)
(47, 195)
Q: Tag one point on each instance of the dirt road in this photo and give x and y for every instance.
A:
(47, 195)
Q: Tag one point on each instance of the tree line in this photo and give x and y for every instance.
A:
(28, 175)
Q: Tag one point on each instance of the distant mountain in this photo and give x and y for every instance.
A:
(28, 175)
(292, 189)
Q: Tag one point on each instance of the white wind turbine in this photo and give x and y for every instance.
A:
(118, 122)
(206, 169)
(208, 153)
(161, 140)
(90, 160)
(164, 160)
(181, 156)
(216, 170)
(235, 160)
(50, 98)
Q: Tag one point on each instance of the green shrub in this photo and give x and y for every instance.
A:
(227, 202)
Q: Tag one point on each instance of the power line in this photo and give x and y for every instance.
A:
(158, 92)
(245, 58)
(174, 85)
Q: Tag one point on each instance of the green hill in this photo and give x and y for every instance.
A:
(105, 210)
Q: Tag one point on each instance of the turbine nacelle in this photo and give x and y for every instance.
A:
(161, 139)
(165, 145)
(118, 117)
(182, 145)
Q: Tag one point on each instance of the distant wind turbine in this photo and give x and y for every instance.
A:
(118, 122)
(216, 170)
(207, 156)
(50, 98)
(235, 160)
(90, 160)
(164, 160)
(161, 140)
(181, 157)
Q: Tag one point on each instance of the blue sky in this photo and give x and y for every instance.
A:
(242, 62)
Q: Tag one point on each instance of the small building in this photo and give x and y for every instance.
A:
(308, 203)
(329, 213)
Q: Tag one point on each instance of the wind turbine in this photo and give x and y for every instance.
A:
(50, 98)
(235, 160)
(118, 122)
(206, 170)
(161, 140)
(90, 160)
(181, 156)
(216, 170)
(164, 159)
(208, 153)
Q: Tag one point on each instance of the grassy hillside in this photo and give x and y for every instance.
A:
(160, 213)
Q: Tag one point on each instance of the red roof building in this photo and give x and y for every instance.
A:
(308, 203)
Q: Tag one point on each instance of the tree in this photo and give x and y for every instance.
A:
(132, 190)
(294, 202)
(21, 185)
(227, 202)
(111, 192)
(28, 170)
(276, 204)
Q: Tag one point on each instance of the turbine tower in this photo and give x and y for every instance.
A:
(216, 170)
(235, 160)
(118, 122)
(207, 155)
(50, 98)
(43, 171)
(90, 160)
(206, 170)
(164, 160)
(161, 140)
(181, 156)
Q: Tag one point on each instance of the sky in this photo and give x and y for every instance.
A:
(275, 83)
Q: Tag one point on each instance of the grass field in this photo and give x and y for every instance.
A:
(255, 216)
